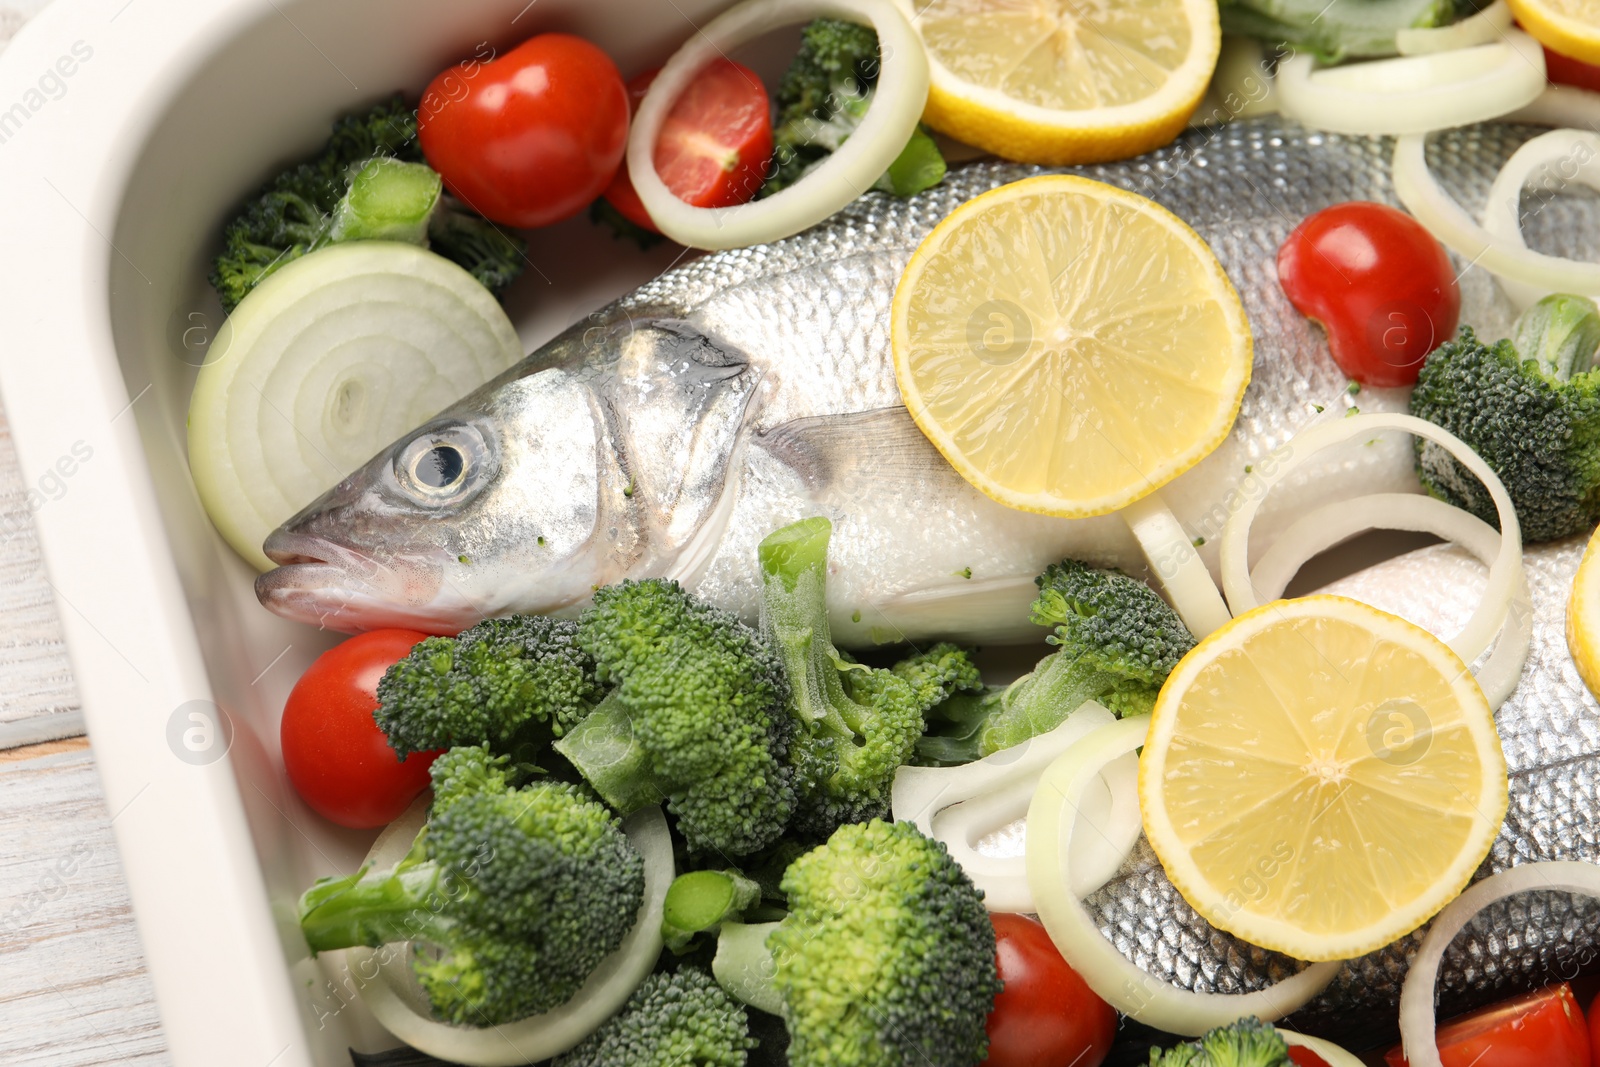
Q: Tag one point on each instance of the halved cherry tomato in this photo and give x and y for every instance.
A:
(1046, 1016)
(529, 138)
(1380, 285)
(714, 146)
(1540, 1029)
(1564, 70)
(337, 759)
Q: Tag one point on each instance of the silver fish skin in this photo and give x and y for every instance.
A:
(670, 432)
(1550, 731)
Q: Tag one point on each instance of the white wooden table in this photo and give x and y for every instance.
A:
(73, 987)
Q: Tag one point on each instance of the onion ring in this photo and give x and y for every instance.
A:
(840, 178)
(1052, 817)
(1481, 28)
(1415, 94)
(1577, 155)
(1177, 565)
(1417, 1022)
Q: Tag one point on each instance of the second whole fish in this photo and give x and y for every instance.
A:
(670, 432)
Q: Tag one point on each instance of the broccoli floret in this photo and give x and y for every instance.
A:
(940, 673)
(823, 97)
(488, 686)
(308, 206)
(682, 1019)
(697, 717)
(1246, 1043)
(518, 892)
(1342, 31)
(1117, 641)
(856, 725)
(1531, 408)
(886, 959)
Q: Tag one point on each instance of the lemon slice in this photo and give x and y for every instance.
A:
(1321, 777)
(1569, 27)
(1070, 347)
(1056, 81)
(1583, 616)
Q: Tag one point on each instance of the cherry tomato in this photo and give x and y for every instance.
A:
(529, 138)
(1540, 1029)
(1564, 70)
(1379, 284)
(714, 146)
(338, 760)
(1304, 1057)
(1594, 1030)
(1046, 1016)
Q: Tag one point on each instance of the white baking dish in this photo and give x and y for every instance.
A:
(128, 130)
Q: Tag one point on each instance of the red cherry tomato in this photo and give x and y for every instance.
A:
(1540, 1029)
(714, 146)
(1304, 1057)
(338, 760)
(1380, 285)
(1564, 70)
(1046, 1016)
(1594, 1030)
(530, 138)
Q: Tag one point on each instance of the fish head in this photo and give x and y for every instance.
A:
(494, 502)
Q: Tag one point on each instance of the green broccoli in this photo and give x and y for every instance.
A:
(856, 725)
(1117, 642)
(683, 1019)
(502, 682)
(1331, 32)
(886, 958)
(521, 892)
(1246, 1043)
(1530, 407)
(821, 100)
(699, 902)
(340, 195)
(697, 717)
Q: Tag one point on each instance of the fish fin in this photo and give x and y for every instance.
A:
(868, 448)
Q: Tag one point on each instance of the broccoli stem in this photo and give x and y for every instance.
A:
(1040, 701)
(375, 909)
(606, 751)
(744, 966)
(794, 610)
(1561, 333)
(388, 200)
(702, 901)
(919, 166)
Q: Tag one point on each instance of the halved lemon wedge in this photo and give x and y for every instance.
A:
(1568, 27)
(1321, 777)
(1054, 81)
(1583, 616)
(1069, 346)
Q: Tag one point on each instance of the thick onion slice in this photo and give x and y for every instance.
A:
(1448, 221)
(1556, 158)
(897, 104)
(961, 805)
(1486, 26)
(1505, 572)
(390, 989)
(1414, 94)
(323, 365)
(1417, 1022)
(1561, 105)
(1177, 565)
(1333, 523)
(1052, 822)
(1331, 1054)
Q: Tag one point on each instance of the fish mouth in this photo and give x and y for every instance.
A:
(335, 587)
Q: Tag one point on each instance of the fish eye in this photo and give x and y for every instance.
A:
(440, 465)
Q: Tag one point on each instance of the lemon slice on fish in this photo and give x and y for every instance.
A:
(1069, 346)
(1321, 777)
(1583, 616)
(1051, 81)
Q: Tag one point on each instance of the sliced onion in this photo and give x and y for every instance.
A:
(1333, 523)
(390, 989)
(1414, 94)
(1562, 155)
(1509, 260)
(1486, 26)
(897, 104)
(1417, 1022)
(1505, 572)
(1052, 821)
(1561, 105)
(961, 805)
(1331, 1054)
(1177, 565)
